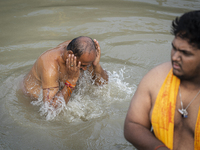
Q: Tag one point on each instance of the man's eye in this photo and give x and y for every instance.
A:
(185, 53)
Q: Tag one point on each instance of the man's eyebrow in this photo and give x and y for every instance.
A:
(182, 50)
(173, 46)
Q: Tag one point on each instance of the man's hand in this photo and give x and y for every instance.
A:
(98, 50)
(73, 70)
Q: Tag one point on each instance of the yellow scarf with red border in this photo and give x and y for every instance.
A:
(164, 111)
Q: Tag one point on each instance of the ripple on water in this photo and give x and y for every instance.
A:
(87, 101)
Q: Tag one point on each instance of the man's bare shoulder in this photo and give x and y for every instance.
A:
(146, 93)
(154, 79)
(158, 73)
(48, 63)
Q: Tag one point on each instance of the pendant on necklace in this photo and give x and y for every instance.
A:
(183, 112)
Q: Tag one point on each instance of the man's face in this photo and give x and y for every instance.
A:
(185, 59)
(86, 59)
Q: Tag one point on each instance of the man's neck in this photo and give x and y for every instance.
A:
(190, 85)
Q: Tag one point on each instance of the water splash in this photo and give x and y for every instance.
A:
(88, 100)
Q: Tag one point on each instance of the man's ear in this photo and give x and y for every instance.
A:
(70, 52)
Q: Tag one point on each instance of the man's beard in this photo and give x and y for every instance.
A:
(181, 77)
(185, 77)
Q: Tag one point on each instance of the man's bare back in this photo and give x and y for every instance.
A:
(48, 62)
(57, 67)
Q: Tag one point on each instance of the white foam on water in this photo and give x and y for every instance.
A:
(89, 101)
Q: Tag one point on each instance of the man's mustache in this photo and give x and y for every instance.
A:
(176, 63)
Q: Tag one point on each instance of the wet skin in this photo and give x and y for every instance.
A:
(55, 66)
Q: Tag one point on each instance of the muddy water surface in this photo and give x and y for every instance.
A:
(134, 36)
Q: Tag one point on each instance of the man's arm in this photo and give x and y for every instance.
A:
(52, 95)
(50, 81)
(137, 123)
(97, 71)
(51, 91)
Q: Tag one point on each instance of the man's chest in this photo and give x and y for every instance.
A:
(183, 123)
(186, 130)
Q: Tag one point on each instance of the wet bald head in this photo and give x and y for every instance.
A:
(80, 45)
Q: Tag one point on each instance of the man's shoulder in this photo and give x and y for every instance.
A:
(48, 61)
(50, 55)
(160, 71)
(156, 76)
(154, 79)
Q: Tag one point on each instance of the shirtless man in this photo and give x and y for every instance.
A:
(57, 70)
(168, 98)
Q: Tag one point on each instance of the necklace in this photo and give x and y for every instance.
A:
(183, 111)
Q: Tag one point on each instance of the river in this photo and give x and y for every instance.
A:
(134, 36)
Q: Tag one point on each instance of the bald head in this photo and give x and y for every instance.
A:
(80, 45)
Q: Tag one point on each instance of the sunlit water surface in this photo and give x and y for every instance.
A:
(134, 36)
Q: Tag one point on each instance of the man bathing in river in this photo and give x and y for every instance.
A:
(57, 70)
(168, 97)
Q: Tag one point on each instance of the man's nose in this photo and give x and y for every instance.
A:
(176, 56)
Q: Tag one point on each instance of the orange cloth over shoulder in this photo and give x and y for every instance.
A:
(164, 111)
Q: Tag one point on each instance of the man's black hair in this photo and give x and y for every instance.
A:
(188, 27)
(80, 45)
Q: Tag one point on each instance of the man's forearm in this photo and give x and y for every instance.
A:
(65, 93)
(141, 137)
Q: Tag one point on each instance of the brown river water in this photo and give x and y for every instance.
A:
(134, 36)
